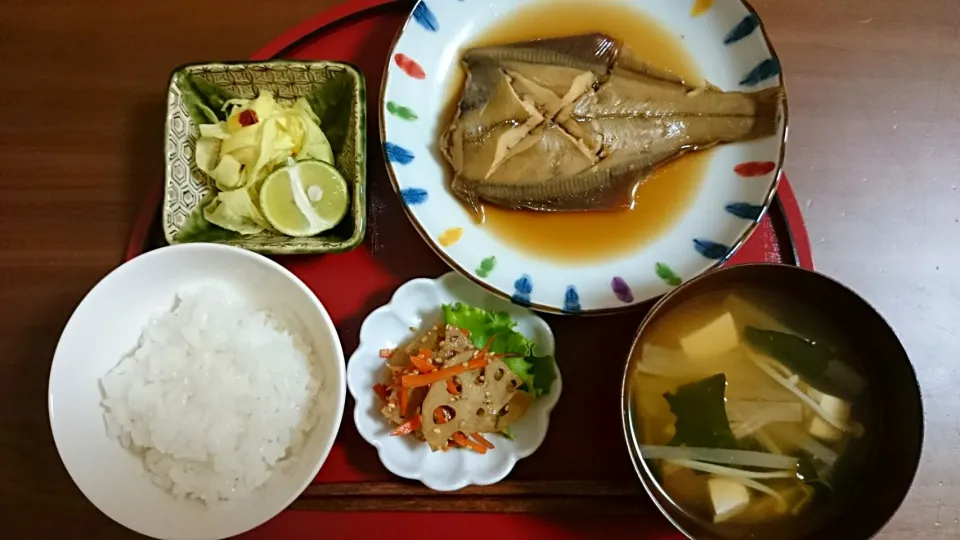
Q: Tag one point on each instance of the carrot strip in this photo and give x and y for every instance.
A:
(441, 416)
(476, 363)
(462, 440)
(404, 401)
(381, 390)
(422, 363)
(479, 438)
(386, 353)
(409, 427)
(452, 387)
(486, 348)
(426, 379)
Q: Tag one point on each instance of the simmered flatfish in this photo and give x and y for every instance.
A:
(575, 123)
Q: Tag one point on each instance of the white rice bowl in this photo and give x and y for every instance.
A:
(216, 395)
(256, 426)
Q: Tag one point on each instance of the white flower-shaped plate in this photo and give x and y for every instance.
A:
(415, 304)
(723, 37)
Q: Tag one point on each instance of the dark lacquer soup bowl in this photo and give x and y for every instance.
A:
(767, 401)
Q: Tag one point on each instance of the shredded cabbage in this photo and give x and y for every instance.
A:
(258, 136)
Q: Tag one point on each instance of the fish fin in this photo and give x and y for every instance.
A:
(463, 189)
(593, 52)
(712, 87)
(629, 64)
(769, 108)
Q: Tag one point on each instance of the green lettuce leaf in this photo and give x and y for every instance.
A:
(537, 372)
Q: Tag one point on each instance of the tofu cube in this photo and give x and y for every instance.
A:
(728, 498)
(836, 408)
(717, 337)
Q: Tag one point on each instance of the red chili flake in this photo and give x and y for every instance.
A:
(409, 67)
(755, 168)
(248, 117)
(381, 390)
(387, 353)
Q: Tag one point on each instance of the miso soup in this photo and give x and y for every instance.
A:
(750, 411)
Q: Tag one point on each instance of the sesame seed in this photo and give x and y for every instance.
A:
(481, 378)
(486, 394)
(506, 407)
(423, 339)
(391, 405)
(453, 399)
(436, 430)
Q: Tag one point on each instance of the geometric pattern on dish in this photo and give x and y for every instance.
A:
(187, 188)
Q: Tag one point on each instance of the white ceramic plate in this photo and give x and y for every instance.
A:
(388, 327)
(727, 41)
(107, 325)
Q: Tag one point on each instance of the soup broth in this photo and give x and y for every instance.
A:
(750, 412)
(573, 237)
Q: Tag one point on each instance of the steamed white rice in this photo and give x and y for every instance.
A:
(216, 397)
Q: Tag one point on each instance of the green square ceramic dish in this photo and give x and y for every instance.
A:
(335, 91)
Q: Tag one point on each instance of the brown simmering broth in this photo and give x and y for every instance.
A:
(730, 333)
(659, 201)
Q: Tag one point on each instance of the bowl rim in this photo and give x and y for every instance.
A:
(145, 258)
(452, 263)
(640, 467)
(358, 199)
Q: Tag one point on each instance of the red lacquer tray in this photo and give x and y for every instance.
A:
(580, 483)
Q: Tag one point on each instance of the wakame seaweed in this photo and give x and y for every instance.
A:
(701, 414)
(815, 362)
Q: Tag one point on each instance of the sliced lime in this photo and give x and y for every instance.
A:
(304, 198)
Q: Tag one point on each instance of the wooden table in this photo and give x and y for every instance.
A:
(874, 155)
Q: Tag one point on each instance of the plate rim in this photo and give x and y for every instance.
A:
(543, 308)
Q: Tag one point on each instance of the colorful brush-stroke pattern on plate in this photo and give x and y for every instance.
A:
(621, 290)
(522, 288)
(486, 267)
